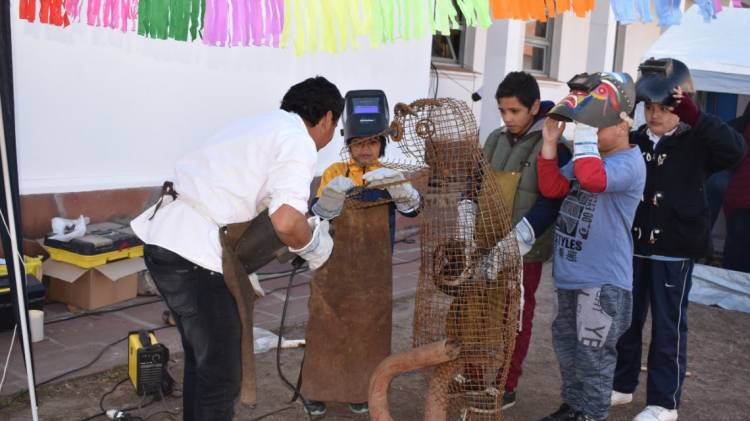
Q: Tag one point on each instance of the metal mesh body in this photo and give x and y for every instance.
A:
(470, 277)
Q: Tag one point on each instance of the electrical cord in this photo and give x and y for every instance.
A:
(111, 391)
(282, 273)
(293, 272)
(164, 404)
(99, 355)
(437, 79)
(302, 270)
(268, 414)
(289, 384)
(100, 312)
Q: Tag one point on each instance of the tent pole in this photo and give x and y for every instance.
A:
(14, 253)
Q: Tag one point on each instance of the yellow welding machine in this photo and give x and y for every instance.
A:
(147, 364)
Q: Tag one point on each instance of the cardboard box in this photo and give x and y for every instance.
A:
(96, 287)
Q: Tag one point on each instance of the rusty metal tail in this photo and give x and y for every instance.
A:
(417, 358)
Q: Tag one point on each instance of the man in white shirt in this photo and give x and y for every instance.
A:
(258, 163)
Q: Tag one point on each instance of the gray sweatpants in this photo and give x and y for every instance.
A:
(584, 333)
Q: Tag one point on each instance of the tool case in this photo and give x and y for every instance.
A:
(33, 266)
(35, 293)
(104, 242)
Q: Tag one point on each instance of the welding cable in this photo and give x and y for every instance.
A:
(100, 312)
(164, 404)
(99, 355)
(437, 78)
(283, 273)
(130, 408)
(111, 391)
(289, 384)
(124, 411)
(268, 414)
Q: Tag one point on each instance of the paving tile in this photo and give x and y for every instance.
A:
(73, 343)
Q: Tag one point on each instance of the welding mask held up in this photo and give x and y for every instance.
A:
(598, 100)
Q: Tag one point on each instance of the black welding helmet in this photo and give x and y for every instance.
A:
(365, 114)
(597, 99)
(657, 79)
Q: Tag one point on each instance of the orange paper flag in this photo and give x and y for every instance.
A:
(581, 7)
(537, 10)
(500, 9)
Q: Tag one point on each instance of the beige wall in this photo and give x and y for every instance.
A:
(632, 43)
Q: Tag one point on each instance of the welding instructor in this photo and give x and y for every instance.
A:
(258, 163)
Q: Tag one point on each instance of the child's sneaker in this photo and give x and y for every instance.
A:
(656, 413)
(359, 408)
(315, 408)
(509, 399)
(619, 398)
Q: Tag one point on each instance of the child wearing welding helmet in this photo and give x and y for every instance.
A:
(681, 147)
(593, 248)
(349, 329)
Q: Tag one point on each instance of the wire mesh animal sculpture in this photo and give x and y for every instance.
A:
(470, 277)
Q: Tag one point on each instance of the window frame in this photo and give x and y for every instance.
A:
(466, 42)
(546, 43)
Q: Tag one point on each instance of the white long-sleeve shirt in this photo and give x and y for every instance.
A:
(257, 163)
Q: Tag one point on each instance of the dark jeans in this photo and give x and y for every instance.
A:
(664, 287)
(209, 325)
(737, 243)
(584, 334)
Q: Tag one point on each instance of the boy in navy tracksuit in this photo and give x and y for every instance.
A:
(681, 147)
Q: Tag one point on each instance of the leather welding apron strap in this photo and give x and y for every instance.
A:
(236, 279)
(349, 328)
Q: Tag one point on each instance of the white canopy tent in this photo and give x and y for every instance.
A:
(717, 52)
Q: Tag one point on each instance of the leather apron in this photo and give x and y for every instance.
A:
(489, 215)
(350, 307)
(236, 279)
(238, 284)
(475, 325)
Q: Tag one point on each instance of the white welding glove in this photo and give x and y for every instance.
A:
(319, 249)
(585, 143)
(466, 220)
(402, 192)
(331, 200)
(498, 257)
(525, 236)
